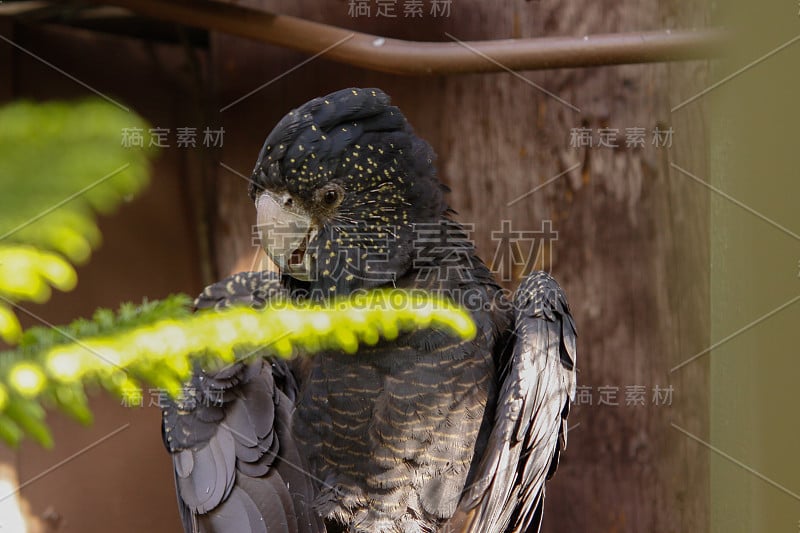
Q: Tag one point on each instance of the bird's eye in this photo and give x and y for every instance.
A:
(288, 202)
(330, 197)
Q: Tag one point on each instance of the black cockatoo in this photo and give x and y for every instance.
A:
(427, 432)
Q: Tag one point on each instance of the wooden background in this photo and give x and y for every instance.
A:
(632, 249)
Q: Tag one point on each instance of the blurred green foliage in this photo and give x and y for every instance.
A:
(60, 163)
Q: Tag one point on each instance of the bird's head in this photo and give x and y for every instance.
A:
(339, 185)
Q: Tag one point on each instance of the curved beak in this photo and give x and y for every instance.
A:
(285, 232)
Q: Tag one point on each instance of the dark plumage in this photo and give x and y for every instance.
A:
(423, 433)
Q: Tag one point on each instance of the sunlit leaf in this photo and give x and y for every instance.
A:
(159, 342)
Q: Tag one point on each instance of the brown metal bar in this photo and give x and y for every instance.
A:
(21, 8)
(424, 58)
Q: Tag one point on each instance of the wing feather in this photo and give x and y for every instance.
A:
(231, 441)
(537, 386)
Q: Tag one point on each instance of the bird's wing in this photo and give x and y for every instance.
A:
(530, 427)
(236, 465)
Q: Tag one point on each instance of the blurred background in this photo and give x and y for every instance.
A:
(662, 196)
